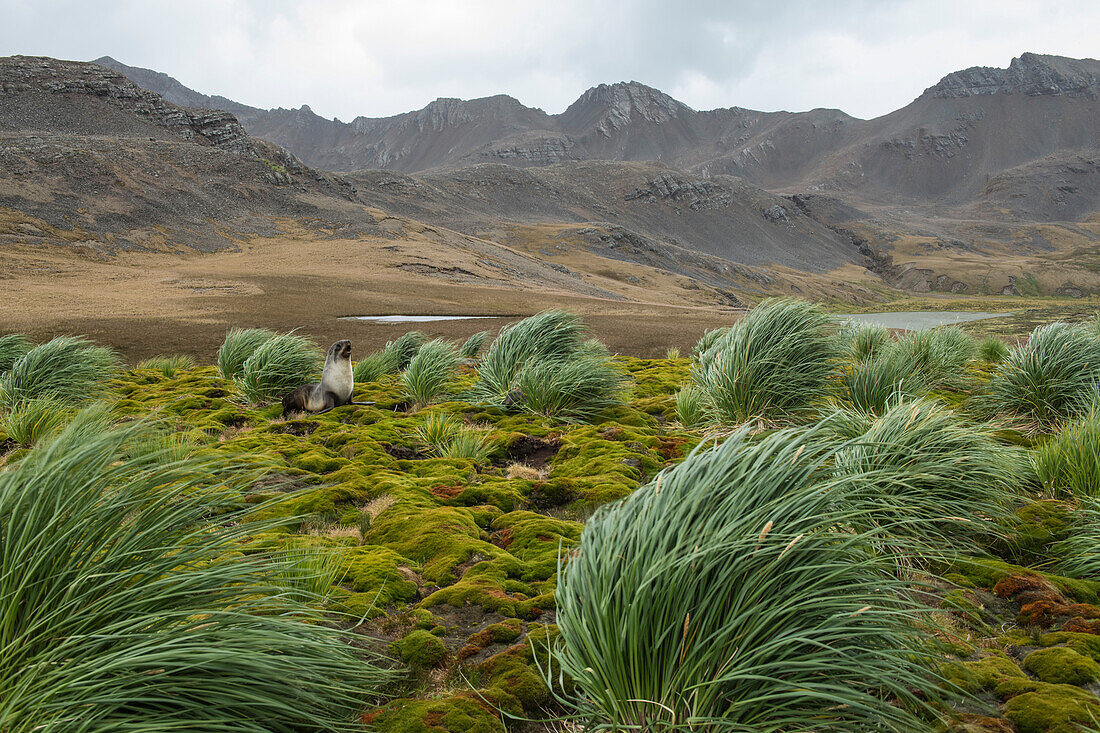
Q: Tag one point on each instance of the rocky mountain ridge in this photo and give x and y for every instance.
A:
(924, 197)
(1031, 74)
(621, 121)
(91, 161)
(971, 125)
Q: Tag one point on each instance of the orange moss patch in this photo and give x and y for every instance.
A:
(447, 492)
(1041, 604)
(1043, 614)
(369, 717)
(1015, 585)
(1083, 626)
(670, 448)
(502, 633)
(1083, 610)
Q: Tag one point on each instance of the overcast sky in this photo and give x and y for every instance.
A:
(367, 57)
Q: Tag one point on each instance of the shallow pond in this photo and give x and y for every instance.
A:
(414, 319)
(919, 320)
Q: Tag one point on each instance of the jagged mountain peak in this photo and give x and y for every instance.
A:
(1031, 74)
(623, 102)
(632, 88)
(446, 112)
(462, 108)
(495, 100)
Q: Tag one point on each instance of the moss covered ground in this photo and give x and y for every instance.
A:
(1024, 640)
(449, 565)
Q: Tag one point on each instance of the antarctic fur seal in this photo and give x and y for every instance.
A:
(334, 389)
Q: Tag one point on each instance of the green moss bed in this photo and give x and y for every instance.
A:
(447, 564)
(450, 565)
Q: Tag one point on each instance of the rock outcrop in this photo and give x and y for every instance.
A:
(30, 74)
(124, 165)
(697, 194)
(1031, 74)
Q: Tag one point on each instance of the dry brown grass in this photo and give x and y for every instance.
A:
(336, 530)
(525, 472)
(375, 507)
(177, 300)
(146, 303)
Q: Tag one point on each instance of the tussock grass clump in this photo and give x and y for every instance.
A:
(847, 422)
(161, 441)
(1079, 553)
(992, 350)
(430, 372)
(772, 363)
(672, 353)
(689, 406)
(437, 430)
(865, 341)
(12, 348)
(467, 443)
(167, 365)
(70, 368)
(884, 371)
(374, 366)
(543, 364)
(391, 359)
(550, 335)
(126, 604)
(1043, 383)
(927, 476)
(473, 345)
(575, 389)
(593, 347)
(405, 347)
(444, 436)
(27, 423)
(939, 355)
(277, 366)
(308, 573)
(1068, 464)
(707, 340)
(239, 344)
(734, 595)
(873, 383)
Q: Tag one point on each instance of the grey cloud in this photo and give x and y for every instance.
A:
(347, 58)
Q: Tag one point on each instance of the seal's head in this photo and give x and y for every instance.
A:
(340, 350)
